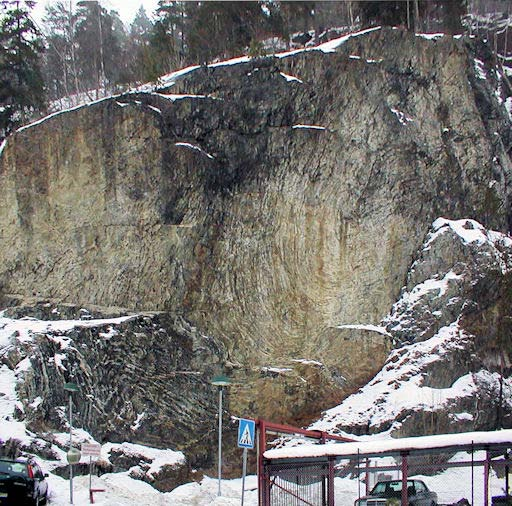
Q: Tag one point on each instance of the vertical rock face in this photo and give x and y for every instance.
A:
(267, 203)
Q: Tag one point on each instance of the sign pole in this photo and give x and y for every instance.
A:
(244, 472)
(90, 476)
(73, 457)
(219, 464)
(70, 447)
(91, 450)
(246, 434)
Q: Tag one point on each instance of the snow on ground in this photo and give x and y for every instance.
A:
(26, 327)
(121, 490)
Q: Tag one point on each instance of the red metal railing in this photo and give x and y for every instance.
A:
(265, 428)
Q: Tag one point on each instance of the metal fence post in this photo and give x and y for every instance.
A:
(486, 478)
(367, 488)
(472, 473)
(261, 471)
(330, 483)
(358, 476)
(404, 479)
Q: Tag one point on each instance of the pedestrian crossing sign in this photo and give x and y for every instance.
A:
(246, 433)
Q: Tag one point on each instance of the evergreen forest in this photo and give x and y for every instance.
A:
(82, 51)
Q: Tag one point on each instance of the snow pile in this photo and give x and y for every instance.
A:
(158, 458)
(469, 231)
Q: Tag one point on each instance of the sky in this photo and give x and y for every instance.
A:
(125, 8)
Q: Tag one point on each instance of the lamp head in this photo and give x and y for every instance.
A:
(220, 381)
(71, 387)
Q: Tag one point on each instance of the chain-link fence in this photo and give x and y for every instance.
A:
(299, 484)
(433, 478)
(466, 476)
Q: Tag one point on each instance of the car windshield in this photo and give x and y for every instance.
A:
(13, 468)
(389, 487)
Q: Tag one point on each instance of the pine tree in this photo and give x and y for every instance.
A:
(414, 15)
(138, 46)
(222, 29)
(99, 36)
(160, 56)
(141, 26)
(175, 17)
(21, 81)
(60, 63)
(451, 11)
(115, 52)
(390, 13)
(165, 49)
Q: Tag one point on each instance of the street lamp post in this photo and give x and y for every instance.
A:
(221, 382)
(73, 455)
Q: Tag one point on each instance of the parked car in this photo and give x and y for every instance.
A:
(387, 493)
(22, 482)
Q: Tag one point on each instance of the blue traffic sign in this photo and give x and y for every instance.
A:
(246, 433)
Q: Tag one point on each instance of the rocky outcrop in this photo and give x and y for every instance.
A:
(141, 378)
(262, 201)
(451, 369)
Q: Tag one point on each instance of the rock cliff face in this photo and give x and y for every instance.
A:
(265, 202)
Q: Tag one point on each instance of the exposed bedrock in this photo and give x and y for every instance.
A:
(270, 202)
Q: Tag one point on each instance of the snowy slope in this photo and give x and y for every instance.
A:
(436, 366)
